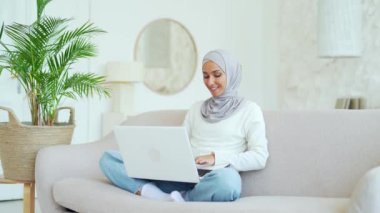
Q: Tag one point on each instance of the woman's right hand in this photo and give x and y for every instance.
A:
(205, 159)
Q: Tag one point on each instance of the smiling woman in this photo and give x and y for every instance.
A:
(168, 52)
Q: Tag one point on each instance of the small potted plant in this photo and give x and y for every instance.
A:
(40, 57)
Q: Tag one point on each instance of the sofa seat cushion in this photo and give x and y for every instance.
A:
(96, 196)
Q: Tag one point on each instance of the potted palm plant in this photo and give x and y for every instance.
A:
(40, 57)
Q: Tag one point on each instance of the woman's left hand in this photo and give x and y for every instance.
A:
(205, 159)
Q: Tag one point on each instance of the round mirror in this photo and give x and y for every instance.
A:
(168, 52)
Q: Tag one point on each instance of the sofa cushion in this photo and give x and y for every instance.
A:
(316, 153)
(366, 196)
(95, 196)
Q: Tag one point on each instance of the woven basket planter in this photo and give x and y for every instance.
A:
(19, 144)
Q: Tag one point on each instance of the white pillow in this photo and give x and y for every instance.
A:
(366, 196)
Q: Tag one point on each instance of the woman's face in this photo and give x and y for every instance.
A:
(214, 78)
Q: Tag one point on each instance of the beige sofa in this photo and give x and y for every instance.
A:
(316, 161)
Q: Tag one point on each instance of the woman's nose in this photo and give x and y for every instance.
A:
(210, 81)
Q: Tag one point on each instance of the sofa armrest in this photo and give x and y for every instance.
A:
(58, 162)
(366, 195)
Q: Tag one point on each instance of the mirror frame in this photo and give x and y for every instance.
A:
(191, 40)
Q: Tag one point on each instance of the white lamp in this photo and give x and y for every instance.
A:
(339, 28)
(122, 78)
(124, 72)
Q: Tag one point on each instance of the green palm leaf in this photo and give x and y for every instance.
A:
(41, 4)
(86, 84)
(77, 49)
(3, 62)
(40, 57)
(1, 30)
(85, 30)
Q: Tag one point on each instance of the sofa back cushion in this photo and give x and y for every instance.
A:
(312, 153)
(316, 153)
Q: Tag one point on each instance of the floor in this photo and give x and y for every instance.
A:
(15, 206)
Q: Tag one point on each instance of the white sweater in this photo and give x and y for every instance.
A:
(238, 141)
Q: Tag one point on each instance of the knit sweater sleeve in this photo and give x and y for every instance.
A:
(188, 121)
(255, 157)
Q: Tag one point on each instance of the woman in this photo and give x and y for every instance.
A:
(227, 135)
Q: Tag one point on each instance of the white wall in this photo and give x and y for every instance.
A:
(309, 82)
(244, 39)
(270, 55)
(10, 92)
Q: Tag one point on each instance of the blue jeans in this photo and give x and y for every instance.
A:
(218, 185)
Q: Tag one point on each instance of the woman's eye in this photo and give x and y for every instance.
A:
(218, 75)
(205, 77)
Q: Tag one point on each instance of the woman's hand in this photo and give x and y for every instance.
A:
(205, 159)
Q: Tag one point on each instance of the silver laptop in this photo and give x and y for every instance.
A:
(157, 152)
